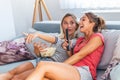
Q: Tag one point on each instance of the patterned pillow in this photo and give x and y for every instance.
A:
(12, 51)
(116, 53)
(111, 37)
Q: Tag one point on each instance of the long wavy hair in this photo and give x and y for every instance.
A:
(62, 34)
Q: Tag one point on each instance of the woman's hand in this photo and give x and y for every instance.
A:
(30, 37)
(65, 44)
(39, 47)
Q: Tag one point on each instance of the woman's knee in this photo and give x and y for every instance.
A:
(41, 64)
(15, 77)
(44, 65)
(29, 64)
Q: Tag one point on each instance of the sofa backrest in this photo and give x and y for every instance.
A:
(113, 25)
(48, 26)
(54, 26)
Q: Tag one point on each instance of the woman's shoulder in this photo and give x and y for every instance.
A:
(99, 35)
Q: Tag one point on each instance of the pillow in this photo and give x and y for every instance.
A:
(116, 53)
(114, 61)
(111, 37)
(14, 50)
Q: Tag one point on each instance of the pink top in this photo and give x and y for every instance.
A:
(92, 60)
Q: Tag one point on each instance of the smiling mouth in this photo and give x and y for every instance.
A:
(81, 26)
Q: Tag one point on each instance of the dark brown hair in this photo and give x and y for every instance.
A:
(99, 22)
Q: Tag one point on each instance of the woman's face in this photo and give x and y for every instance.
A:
(85, 24)
(69, 23)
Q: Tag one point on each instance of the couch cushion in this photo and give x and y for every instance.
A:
(116, 53)
(111, 37)
(8, 67)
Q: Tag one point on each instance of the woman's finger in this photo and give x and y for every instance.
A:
(43, 50)
(29, 38)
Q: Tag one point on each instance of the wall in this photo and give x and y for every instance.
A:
(23, 13)
(57, 13)
(7, 28)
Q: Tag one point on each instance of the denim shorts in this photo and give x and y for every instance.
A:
(84, 73)
(42, 59)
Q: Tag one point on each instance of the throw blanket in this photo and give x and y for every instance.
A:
(12, 51)
(115, 61)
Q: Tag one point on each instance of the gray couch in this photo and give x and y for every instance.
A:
(111, 34)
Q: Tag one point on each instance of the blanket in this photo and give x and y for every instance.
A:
(14, 50)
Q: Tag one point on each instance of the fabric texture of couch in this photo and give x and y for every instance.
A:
(111, 35)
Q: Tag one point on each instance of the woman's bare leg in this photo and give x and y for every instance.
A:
(23, 76)
(46, 79)
(54, 71)
(23, 67)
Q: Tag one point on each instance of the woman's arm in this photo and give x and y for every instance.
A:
(64, 45)
(30, 37)
(92, 45)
